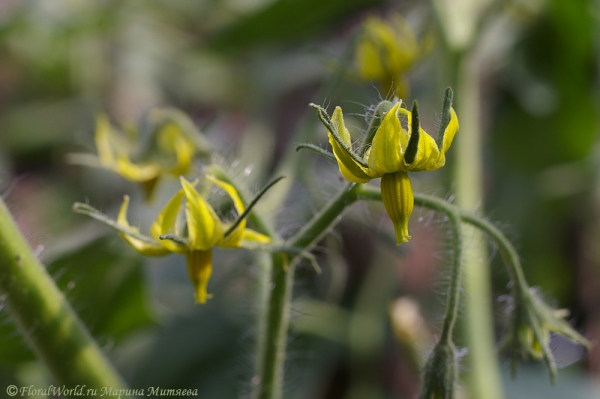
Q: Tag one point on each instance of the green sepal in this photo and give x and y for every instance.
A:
(446, 116)
(413, 142)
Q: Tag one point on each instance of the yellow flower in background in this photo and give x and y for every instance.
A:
(166, 147)
(394, 151)
(204, 231)
(171, 153)
(385, 51)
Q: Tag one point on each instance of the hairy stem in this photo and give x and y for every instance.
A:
(282, 276)
(45, 318)
(278, 319)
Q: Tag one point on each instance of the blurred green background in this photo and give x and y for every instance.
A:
(245, 70)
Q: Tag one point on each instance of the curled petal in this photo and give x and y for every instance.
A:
(233, 239)
(450, 131)
(165, 223)
(172, 140)
(204, 227)
(398, 200)
(138, 173)
(349, 167)
(199, 265)
(141, 246)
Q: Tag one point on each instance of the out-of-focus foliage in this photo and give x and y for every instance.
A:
(244, 70)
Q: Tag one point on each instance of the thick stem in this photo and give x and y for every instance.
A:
(484, 377)
(320, 224)
(278, 319)
(278, 309)
(45, 318)
(264, 283)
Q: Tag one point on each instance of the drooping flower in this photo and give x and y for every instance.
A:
(385, 51)
(167, 148)
(195, 238)
(394, 151)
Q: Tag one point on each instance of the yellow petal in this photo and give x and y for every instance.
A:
(140, 246)
(165, 223)
(386, 154)
(172, 141)
(450, 131)
(234, 238)
(375, 49)
(231, 192)
(204, 227)
(349, 168)
(428, 154)
(103, 140)
(386, 50)
(255, 236)
(133, 172)
(199, 265)
(398, 200)
(368, 59)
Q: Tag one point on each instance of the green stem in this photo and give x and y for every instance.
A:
(508, 252)
(278, 320)
(282, 276)
(47, 321)
(263, 287)
(320, 224)
(484, 377)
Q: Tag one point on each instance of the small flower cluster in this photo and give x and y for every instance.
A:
(187, 224)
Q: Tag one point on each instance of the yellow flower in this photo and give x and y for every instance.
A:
(170, 151)
(386, 51)
(204, 231)
(394, 151)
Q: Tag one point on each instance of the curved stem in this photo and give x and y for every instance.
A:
(45, 318)
(454, 217)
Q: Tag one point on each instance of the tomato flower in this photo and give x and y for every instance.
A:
(204, 231)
